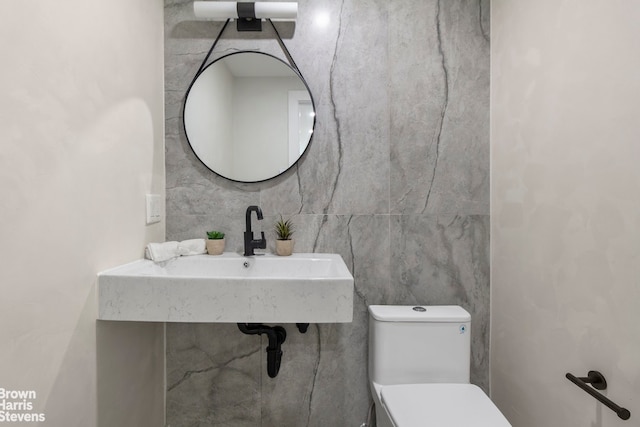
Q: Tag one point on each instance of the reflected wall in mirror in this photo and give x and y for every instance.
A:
(249, 116)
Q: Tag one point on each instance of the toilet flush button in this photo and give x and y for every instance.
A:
(420, 309)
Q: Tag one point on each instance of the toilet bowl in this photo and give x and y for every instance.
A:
(419, 366)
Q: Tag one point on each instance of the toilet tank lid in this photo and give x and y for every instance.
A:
(422, 313)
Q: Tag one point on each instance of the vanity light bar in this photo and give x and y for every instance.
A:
(223, 10)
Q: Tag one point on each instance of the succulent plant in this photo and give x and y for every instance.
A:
(284, 229)
(215, 235)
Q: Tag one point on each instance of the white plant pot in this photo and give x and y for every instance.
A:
(215, 247)
(284, 247)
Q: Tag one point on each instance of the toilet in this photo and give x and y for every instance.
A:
(419, 367)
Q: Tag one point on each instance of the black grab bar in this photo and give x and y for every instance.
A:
(596, 379)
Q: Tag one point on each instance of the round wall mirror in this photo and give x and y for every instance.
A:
(249, 116)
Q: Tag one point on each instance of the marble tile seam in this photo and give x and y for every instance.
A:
(445, 103)
(190, 373)
(300, 192)
(315, 373)
(334, 108)
(354, 215)
(168, 57)
(484, 33)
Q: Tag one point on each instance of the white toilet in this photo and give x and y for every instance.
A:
(419, 362)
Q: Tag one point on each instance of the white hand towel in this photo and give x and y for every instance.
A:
(192, 247)
(159, 252)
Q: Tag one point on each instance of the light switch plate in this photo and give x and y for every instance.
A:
(154, 208)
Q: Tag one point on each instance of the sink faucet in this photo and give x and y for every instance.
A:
(249, 242)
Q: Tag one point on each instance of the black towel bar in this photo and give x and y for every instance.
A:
(596, 379)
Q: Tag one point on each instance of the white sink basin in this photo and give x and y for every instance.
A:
(301, 288)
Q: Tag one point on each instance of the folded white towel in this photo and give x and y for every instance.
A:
(159, 252)
(192, 247)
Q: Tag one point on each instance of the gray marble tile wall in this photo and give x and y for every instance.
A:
(396, 181)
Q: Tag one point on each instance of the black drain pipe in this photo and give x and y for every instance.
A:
(276, 334)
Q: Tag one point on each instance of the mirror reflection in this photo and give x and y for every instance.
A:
(249, 116)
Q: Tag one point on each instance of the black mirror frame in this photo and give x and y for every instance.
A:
(295, 71)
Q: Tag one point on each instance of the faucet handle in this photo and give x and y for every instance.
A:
(263, 241)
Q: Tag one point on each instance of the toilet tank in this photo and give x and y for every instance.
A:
(424, 344)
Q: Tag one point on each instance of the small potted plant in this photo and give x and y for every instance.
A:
(215, 242)
(284, 242)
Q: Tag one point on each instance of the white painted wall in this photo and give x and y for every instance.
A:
(81, 134)
(565, 208)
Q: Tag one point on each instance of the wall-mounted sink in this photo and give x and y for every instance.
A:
(302, 288)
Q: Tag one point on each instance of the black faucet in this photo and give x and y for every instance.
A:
(249, 243)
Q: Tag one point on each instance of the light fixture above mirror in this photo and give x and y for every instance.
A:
(248, 15)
